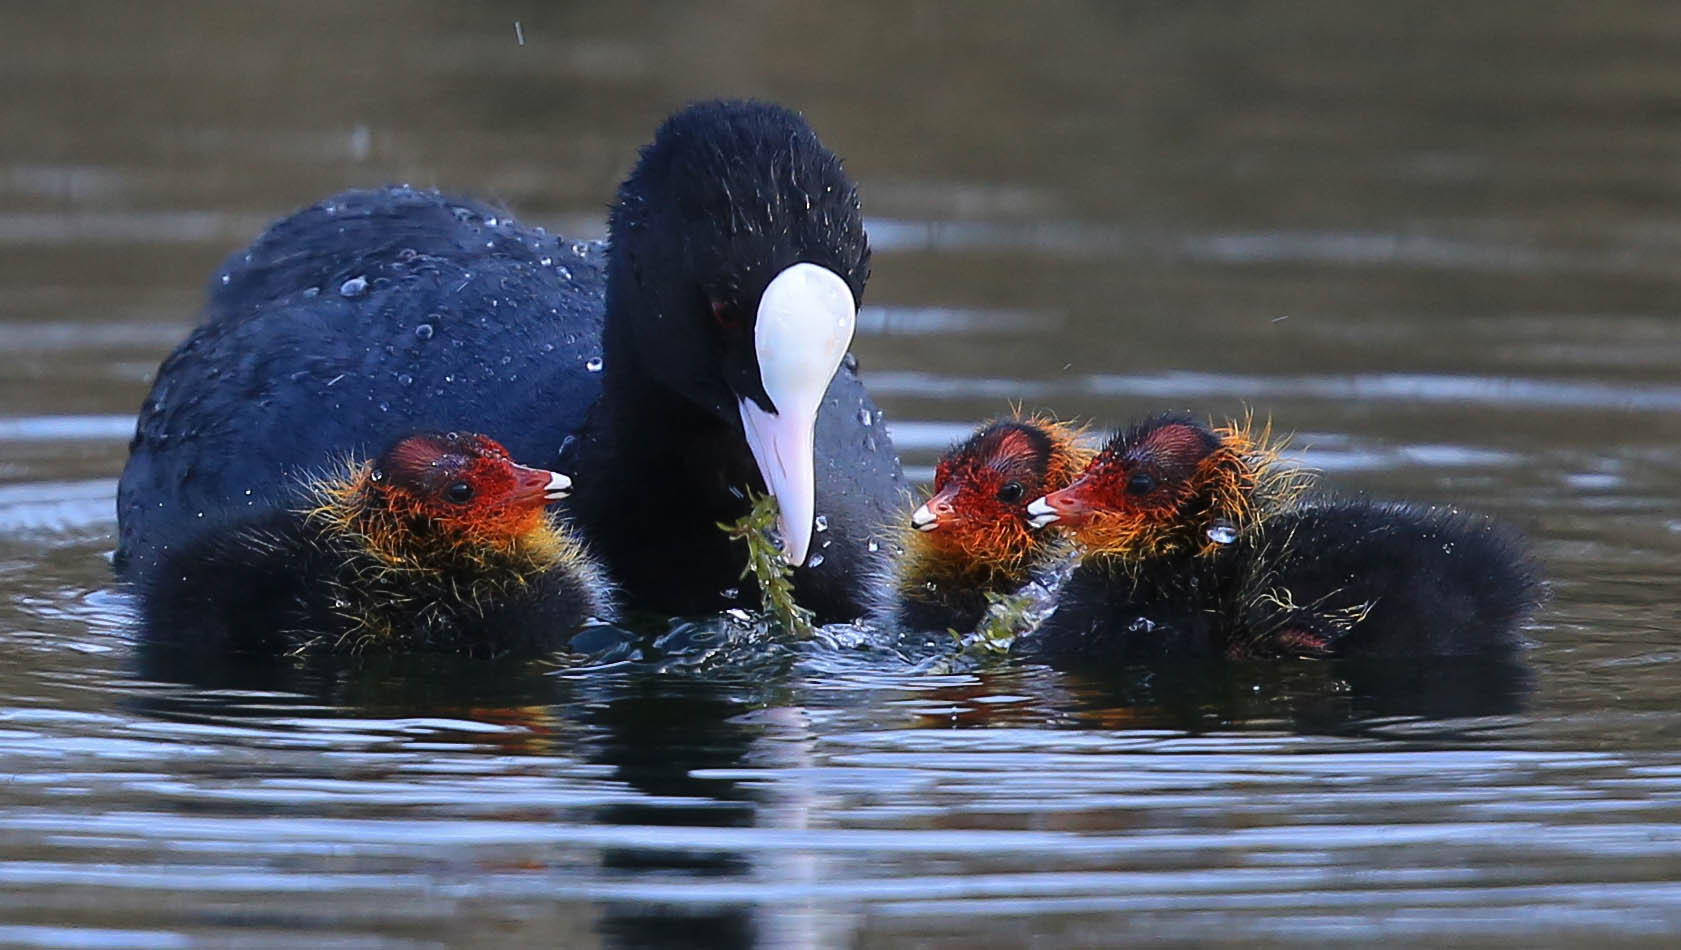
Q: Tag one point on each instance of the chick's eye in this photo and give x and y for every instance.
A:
(459, 492)
(1011, 493)
(1140, 484)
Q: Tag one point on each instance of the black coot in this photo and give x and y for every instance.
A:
(673, 369)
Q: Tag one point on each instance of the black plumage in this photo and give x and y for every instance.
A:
(1331, 578)
(376, 313)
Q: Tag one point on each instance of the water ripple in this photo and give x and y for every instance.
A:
(67, 428)
(1513, 392)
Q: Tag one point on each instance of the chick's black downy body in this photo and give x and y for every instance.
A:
(283, 585)
(1330, 578)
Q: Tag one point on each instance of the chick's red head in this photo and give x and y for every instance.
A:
(983, 485)
(466, 484)
(1148, 489)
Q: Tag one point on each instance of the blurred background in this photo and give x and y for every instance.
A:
(1437, 241)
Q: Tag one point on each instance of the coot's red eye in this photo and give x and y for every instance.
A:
(725, 315)
(1011, 493)
(459, 492)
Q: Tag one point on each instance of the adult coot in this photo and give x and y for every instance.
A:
(974, 537)
(689, 360)
(441, 543)
(1198, 544)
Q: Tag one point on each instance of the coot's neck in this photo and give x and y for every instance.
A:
(700, 456)
(657, 477)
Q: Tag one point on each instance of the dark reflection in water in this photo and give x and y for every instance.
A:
(654, 733)
(670, 741)
(1333, 697)
(657, 734)
(377, 685)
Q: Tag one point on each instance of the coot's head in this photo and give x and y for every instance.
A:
(983, 485)
(737, 265)
(1164, 485)
(465, 484)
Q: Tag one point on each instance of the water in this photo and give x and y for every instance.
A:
(1439, 243)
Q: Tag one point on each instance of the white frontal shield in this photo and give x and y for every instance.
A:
(805, 323)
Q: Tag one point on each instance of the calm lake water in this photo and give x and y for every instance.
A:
(1441, 242)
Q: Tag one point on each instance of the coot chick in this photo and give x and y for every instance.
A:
(698, 355)
(1197, 544)
(441, 543)
(974, 537)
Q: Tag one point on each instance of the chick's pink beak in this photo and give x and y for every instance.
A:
(538, 486)
(939, 511)
(1071, 507)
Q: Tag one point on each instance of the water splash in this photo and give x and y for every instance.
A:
(1221, 532)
